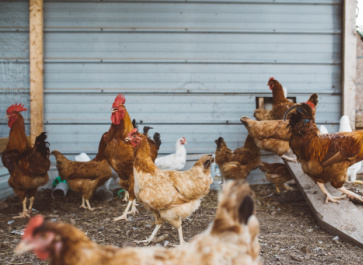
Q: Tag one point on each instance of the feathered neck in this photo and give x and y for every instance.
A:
(122, 130)
(17, 137)
(277, 93)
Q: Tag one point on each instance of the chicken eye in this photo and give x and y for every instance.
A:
(44, 236)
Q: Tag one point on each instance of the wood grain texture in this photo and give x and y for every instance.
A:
(343, 220)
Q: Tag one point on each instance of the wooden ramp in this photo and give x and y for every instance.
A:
(344, 220)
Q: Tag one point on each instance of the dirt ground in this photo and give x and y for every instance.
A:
(289, 232)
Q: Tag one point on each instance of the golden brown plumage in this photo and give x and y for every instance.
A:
(28, 166)
(277, 173)
(120, 155)
(280, 104)
(237, 164)
(153, 143)
(170, 195)
(85, 177)
(232, 239)
(270, 136)
(324, 157)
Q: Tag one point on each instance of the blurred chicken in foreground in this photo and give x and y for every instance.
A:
(324, 157)
(231, 239)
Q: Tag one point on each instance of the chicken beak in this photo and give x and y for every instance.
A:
(7, 116)
(113, 110)
(23, 247)
(127, 139)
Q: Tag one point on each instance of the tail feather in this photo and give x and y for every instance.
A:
(245, 120)
(235, 207)
(219, 142)
(134, 124)
(146, 130)
(41, 145)
(314, 99)
(157, 139)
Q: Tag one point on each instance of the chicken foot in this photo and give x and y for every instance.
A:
(86, 205)
(133, 208)
(24, 214)
(126, 211)
(328, 196)
(351, 195)
(147, 241)
(290, 159)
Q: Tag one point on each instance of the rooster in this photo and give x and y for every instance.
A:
(231, 239)
(238, 163)
(175, 161)
(120, 155)
(85, 177)
(28, 166)
(324, 157)
(170, 195)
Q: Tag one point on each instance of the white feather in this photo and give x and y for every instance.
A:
(82, 157)
(344, 126)
(175, 161)
(323, 130)
(285, 91)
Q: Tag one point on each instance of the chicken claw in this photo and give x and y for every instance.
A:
(22, 215)
(351, 195)
(290, 159)
(328, 196)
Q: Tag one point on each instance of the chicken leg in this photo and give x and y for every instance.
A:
(83, 205)
(147, 241)
(328, 196)
(24, 214)
(133, 208)
(124, 215)
(181, 238)
(31, 205)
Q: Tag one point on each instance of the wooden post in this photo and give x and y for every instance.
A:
(349, 59)
(36, 68)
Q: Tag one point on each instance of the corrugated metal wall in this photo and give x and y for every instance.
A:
(14, 69)
(187, 68)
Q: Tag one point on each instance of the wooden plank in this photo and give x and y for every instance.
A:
(349, 60)
(4, 142)
(359, 121)
(36, 68)
(343, 220)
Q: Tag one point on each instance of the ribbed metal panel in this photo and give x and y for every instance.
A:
(14, 69)
(187, 68)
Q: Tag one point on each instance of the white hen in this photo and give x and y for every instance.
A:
(344, 126)
(175, 161)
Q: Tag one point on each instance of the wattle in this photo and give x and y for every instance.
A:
(114, 119)
(42, 254)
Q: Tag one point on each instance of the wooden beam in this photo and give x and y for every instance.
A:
(349, 60)
(36, 68)
(343, 219)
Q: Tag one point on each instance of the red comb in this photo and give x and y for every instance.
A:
(35, 222)
(271, 78)
(15, 107)
(311, 104)
(120, 99)
(133, 131)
